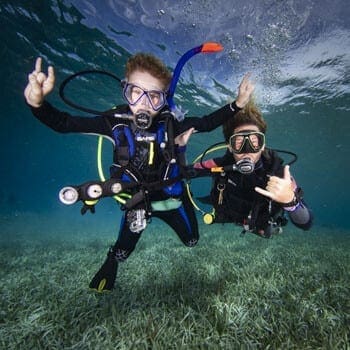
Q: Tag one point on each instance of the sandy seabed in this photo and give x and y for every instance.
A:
(230, 291)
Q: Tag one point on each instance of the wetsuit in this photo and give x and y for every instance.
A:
(235, 200)
(181, 219)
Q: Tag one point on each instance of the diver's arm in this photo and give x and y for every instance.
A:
(286, 192)
(65, 123)
(39, 84)
(301, 216)
(217, 118)
(245, 90)
(211, 121)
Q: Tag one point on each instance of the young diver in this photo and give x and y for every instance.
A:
(253, 188)
(145, 150)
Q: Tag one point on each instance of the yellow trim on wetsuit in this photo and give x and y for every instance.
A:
(151, 153)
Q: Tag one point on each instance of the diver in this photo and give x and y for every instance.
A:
(251, 186)
(148, 143)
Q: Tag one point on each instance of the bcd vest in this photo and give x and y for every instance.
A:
(235, 200)
(146, 156)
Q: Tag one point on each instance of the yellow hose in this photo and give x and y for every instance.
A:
(208, 218)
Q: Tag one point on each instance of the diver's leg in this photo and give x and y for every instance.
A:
(105, 278)
(182, 220)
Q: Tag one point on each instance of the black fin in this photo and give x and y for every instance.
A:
(105, 277)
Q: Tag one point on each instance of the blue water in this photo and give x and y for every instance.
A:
(297, 51)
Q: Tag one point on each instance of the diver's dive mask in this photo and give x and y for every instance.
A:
(133, 94)
(247, 141)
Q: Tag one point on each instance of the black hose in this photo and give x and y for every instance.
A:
(73, 76)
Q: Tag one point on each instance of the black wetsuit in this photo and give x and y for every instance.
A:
(183, 219)
(235, 200)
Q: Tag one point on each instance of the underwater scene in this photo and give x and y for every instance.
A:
(231, 290)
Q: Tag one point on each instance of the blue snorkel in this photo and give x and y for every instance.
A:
(208, 47)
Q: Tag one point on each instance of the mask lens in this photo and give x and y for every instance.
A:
(134, 94)
(156, 98)
(247, 142)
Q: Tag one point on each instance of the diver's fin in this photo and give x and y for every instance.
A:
(104, 279)
(205, 199)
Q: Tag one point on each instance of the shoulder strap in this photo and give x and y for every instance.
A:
(124, 144)
(169, 136)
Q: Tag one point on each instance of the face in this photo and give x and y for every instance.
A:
(144, 93)
(254, 157)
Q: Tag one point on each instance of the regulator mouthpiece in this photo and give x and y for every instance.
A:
(245, 166)
(143, 120)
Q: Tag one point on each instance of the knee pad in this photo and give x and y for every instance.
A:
(191, 242)
(136, 219)
(121, 255)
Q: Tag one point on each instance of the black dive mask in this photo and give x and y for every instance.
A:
(143, 120)
(247, 141)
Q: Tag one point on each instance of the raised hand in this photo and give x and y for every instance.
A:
(39, 84)
(245, 90)
(183, 138)
(279, 189)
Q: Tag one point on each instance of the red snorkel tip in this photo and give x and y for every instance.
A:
(211, 46)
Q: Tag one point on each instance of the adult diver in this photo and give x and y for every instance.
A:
(148, 142)
(252, 187)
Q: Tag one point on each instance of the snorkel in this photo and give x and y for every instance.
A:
(208, 47)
